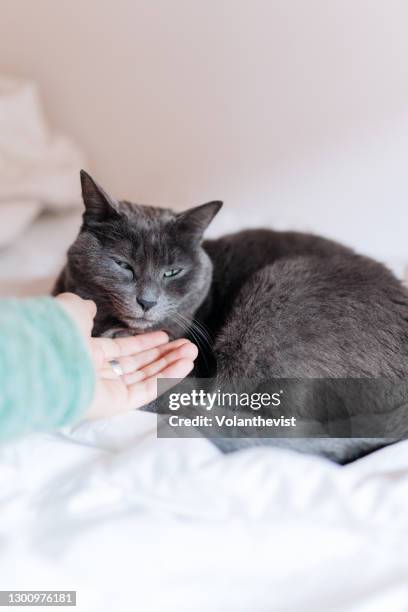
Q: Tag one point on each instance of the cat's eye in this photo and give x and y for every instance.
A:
(172, 272)
(125, 266)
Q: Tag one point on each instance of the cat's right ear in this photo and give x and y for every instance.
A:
(99, 206)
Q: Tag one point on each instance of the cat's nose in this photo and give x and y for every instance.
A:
(146, 304)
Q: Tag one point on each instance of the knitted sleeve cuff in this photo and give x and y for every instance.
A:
(47, 377)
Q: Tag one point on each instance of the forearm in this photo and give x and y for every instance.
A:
(46, 374)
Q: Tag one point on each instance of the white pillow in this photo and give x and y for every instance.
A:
(39, 168)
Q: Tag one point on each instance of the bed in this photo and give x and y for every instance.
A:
(132, 522)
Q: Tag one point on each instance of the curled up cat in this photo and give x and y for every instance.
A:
(258, 303)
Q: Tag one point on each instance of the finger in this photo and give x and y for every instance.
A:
(76, 301)
(105, 349)
(108, 374)
(185, 351)
(136, 362)
(91, 306)
(142, 393)
(81, 311)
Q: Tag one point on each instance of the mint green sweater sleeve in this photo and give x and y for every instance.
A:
(46, 374)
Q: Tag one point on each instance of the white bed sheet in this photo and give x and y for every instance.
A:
(133, 522)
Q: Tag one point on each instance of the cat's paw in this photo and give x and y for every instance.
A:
(123, 333)
(117, 332)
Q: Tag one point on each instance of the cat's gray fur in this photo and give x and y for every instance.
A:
(277, 304)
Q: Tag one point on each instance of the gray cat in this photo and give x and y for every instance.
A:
(259, 303)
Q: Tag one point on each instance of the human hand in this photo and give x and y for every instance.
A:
(143, 359)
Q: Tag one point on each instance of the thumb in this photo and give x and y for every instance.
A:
(81, 311)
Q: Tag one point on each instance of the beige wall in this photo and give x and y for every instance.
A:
(298, 105)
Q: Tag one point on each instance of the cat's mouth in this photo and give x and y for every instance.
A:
(140, 322)
(132, 326)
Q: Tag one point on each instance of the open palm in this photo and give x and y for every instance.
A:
(143, 359)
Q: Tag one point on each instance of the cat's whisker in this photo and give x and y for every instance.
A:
(196, 334)
(205, 331)
(185, 324)
(190, 325)
(202, 333)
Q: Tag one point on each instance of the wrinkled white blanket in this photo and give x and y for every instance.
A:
(38, 167)
(136, 523)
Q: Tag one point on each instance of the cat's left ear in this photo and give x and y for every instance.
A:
(195, 221)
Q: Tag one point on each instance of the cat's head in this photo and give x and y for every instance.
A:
(143, 266)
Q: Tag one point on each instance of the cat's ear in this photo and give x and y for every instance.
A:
(195, 221)
(99, 206)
